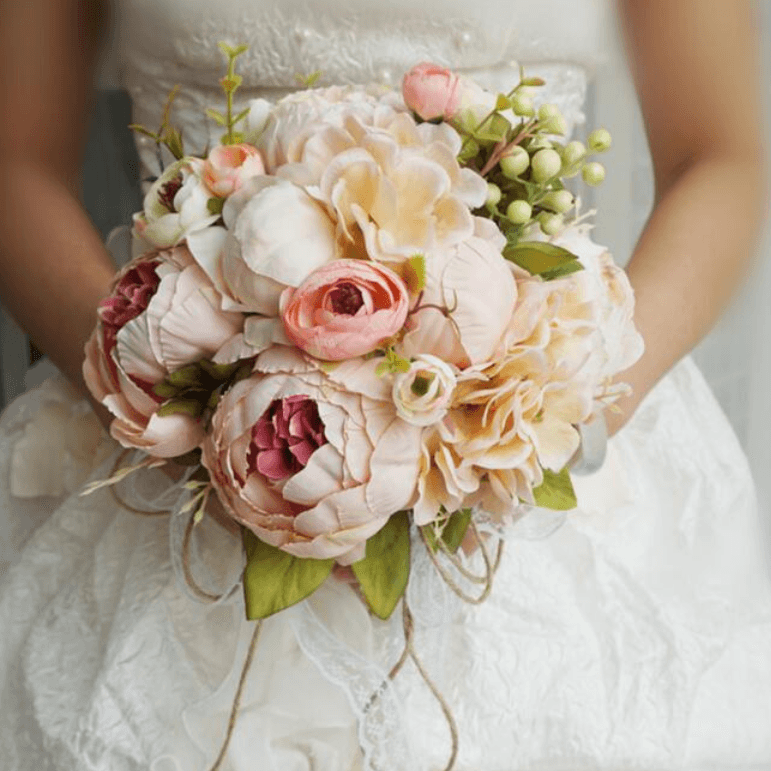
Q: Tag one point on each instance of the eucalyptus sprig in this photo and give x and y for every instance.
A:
(230, 84)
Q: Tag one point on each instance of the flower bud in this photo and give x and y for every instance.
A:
(573, 153)
(545, 165)
(599, 140)
(515, 162)
(547, 111)
(493, 195)
(558, 201)
(423, 394)
(593, 173)
(519, 212)
(551, 224)
(555, 125)
(522, 104)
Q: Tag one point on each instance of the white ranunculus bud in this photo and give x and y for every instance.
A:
(551, 224)
(493, 195)
(548, 111)
(545, 165)
(574, 152)
(423, 394)
(522, 105)
(558, 201)
(515, 162)
(519, 212)
(599, 140)
(593, 173)
(556, 125)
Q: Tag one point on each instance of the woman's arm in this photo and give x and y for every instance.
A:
(696, 69)
(53, 266)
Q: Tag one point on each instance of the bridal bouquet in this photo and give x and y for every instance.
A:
(366, 314)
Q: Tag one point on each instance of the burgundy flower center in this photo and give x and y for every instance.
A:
(130, 297)
(346, 298)
(169, 191)
(285, 437)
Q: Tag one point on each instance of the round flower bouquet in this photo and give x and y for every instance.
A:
(371, 321)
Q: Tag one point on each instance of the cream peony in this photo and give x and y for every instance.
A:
(312, 463)
(395, 190)
(276, 236)
(300, 116)
(162, 315)
(467, 303)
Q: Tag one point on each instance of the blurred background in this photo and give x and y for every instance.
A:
(735, 358)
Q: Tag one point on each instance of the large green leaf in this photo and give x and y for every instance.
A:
(453, 531)
(543, 259)
(384, 571)
(274, 579)
(556, 492)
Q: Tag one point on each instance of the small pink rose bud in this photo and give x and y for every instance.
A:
(229, 166)
(432, 91)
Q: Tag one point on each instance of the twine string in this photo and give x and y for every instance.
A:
(236, 707)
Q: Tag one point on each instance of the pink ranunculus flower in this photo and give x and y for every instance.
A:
(313, 463)
(162, 314)
(431, 91)
(229, 166)
(345, 309)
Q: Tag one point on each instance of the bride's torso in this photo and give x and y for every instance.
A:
(163, 43)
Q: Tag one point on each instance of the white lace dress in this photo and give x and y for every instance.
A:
(636, 636)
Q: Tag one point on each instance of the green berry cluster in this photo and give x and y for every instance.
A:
(524, 161)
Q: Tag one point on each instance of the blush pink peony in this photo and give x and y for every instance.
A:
(312, 463)
(344, 309)
(229, 166)
(162, 314)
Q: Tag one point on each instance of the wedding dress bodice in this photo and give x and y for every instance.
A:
(168, 42)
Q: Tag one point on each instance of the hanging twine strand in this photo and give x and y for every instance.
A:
(235, 709)
(485, 581)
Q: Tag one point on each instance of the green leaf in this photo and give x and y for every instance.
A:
(218, 372)
(275, 580)
(309, 81)
(185, 376)
(215, 205)
(173, 140)
(493, 130)
(217, 117)
(452, 532)
(164, 390)
(562, 270)
(533, 82)
(502, 102)
(415, 273)
(469, 151)
(232, 51)
(542, 259)
(230, 83)
(241, 115)
(384, 571)
(556, 492)
(191, 407)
